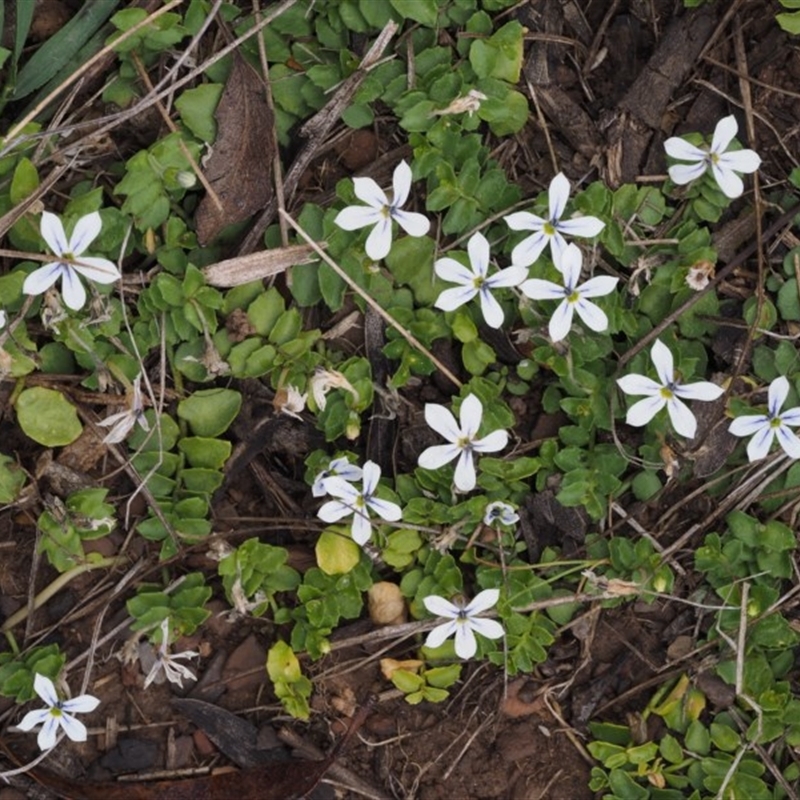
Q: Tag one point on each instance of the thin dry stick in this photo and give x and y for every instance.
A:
(409, 337)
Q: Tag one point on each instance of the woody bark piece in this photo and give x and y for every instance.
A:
(639, 113)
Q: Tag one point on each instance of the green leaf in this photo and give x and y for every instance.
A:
(25, 181)
(196, 107)
(210, 412)
(423, 11)
(205, 452)
(12, 479)
(789, 300)
(336, 554)
(789, 22)
(47, 417)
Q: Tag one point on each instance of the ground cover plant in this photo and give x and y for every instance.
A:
(415, 374)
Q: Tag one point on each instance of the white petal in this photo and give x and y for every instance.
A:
(372, 474)
(334, 510)
(510, 276)
(746, 161)
(639, 384)
(466, 646)
(683, 150)
(727, 180)
(493, 443)
(86, 230)
(336, 486)
(367, 191)
(491, 309)
(412, 223)
(53, 233)
(558, 244)
(524, 221)
(438, 455)
(561, 321)
(360, 530)
(464, 478)
(34, 718)
(72, 289)
(686, 173)
(702, 390)
(748, 425)
(401, 185)
(40, 280)
(592, 315)
(642, 411)
(451, 299)
(682, 418)
(661, 356)
(440, 633)
(482, 601)
(569, 262)
(379, 241)
(385, 509)
(777, 394)
(83, 703)
(354, 217)
(448, 269)
(442, 421)
(558, 195)
(44, 687)
(344, 469)
(723, 134)
(758, 446)
(489, 628)
(538, 289)
(581, 226)
(478, 249)
(441, 607)
(75, 729)
(47, 735)
(470, 415)
(791, 416)
(788, 441)
(529, 249)
(100, 270)
(599, 286)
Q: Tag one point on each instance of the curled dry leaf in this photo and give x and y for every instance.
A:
(386, 604)
(255, 266)
(390, 665)
(239, 168)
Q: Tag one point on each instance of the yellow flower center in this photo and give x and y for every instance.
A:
(666, 393)
(549, 229)
(775, 422)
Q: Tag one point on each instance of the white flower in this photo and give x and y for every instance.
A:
(121, 424)
(765, 427)
(380, 212)
(173, 672)
(464, 622)
(71, 263)
(351, 501)
(551, 230)
(475, 281)
(57, 714)
(500, 512)
(666, 393)
(338, 467)
(573, 297)
(463, 441)
(724, 165)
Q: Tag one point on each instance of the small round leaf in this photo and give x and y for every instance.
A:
(47, 417)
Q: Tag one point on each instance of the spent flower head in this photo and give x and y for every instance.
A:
(501, 512)
(71, 262)
(552, 229)
(358, 503)
(57, 714)
(380, 211)
(463, 621)
(573, 296)
(338, 467)
(462, 438)
(168, 663)
(121, 424)
(475, 280)
(723, 164)
(765, 427)
(668, 392)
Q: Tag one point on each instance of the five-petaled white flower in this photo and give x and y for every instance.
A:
(476, 281)
(121, 424)
(57, 714)
(71, 262)
(380, 211)
(666, 393)
(463, 621)
(551, 230)
(463, 441)
(500, 512)
(173, 672)
(338, 467)
(724, 165)
(573, 296)
(351, 501)
(765, 427)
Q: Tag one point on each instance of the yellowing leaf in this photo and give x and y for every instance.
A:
(336, 554)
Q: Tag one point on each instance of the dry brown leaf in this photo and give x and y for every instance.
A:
(386, 604)
(253, 267)
(390, 665)
(240, 166)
